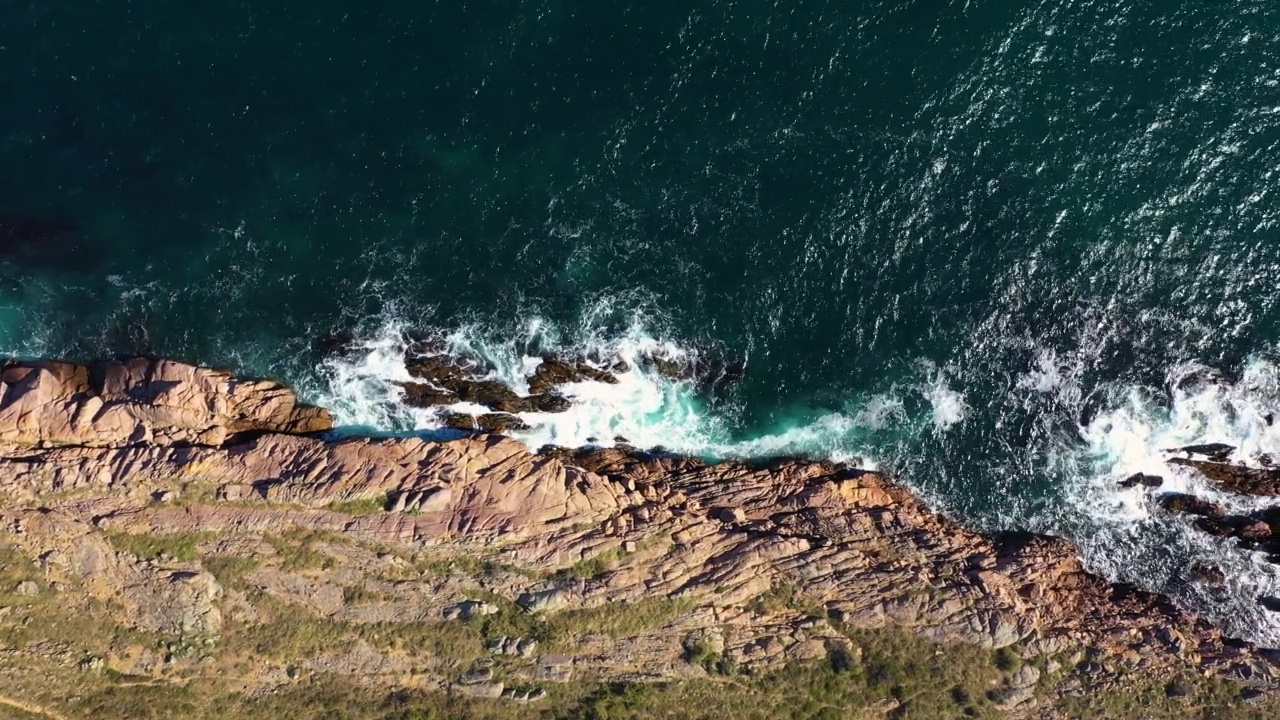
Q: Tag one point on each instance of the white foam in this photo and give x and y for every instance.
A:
(644, 408)
(949, 406)
(1122, 533)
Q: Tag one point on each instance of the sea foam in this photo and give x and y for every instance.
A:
(1121, 533)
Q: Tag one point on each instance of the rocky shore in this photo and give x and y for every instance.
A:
(179, 541)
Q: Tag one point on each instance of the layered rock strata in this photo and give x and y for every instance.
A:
(765, 563)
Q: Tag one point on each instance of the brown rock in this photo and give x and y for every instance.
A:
(159, 402)
(1183, 504)
(553, 372)
(488, 422)
(424, 395)
(1236, 478)
(767, 561)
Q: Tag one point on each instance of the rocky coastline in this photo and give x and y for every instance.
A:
(171, 531)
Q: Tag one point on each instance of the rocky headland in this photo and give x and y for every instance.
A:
(180, 542)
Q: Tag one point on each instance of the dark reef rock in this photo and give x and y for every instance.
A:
(1236, 526)
(1236, 478)
(1217, 452)
(1136, 479)
(441, 370)
(450, 380)
(341, 344)
(548, 403)
(1203, 574)
(1184, 504)
(708, 371)
(488, 422)
(425, 396)
(554, 372)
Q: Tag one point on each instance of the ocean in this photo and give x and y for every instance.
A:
(1009, 252)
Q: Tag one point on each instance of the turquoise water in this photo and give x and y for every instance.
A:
(975, 243)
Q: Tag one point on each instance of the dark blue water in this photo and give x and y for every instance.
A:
(975, 243)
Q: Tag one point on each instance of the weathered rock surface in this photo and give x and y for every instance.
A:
(554, 372)
(449, 380)
(1236, 478)
(142, 401)
(760, 564)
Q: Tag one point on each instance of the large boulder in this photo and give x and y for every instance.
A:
(1236, 478)
(143, 400)
(554, 372)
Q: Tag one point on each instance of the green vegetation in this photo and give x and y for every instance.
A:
(702, 654)
(467, 565)
(286, 633)
(1185, 696)
(617, 620)
(364, 506)
(1008, 660)
(881, 674)
(297, 550)
(591, 567)
(357, 594)
(788, 598)
(809, 692)
(181, 547)
(230, 570)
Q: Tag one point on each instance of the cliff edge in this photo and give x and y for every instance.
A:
(180, 542)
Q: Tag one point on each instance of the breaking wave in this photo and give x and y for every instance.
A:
(645, 408)
(1122, 532)
(1127, 429)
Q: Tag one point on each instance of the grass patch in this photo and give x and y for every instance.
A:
(784, 597)
(358, 595)
(363, 506)
(617, 620)
(181, 547)
(467, 565)
(288, 634)
(1196, 697)
(470, 566)
(898, 676)
(230, 570)
(298, 550)
(591, 567)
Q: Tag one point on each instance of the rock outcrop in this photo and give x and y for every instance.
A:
(142, 401)
(745, 565)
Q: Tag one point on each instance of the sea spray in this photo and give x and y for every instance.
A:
(646, 407)
(1127, 429)
(1123, 534)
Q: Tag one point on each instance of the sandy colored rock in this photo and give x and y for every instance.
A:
(761, 564)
